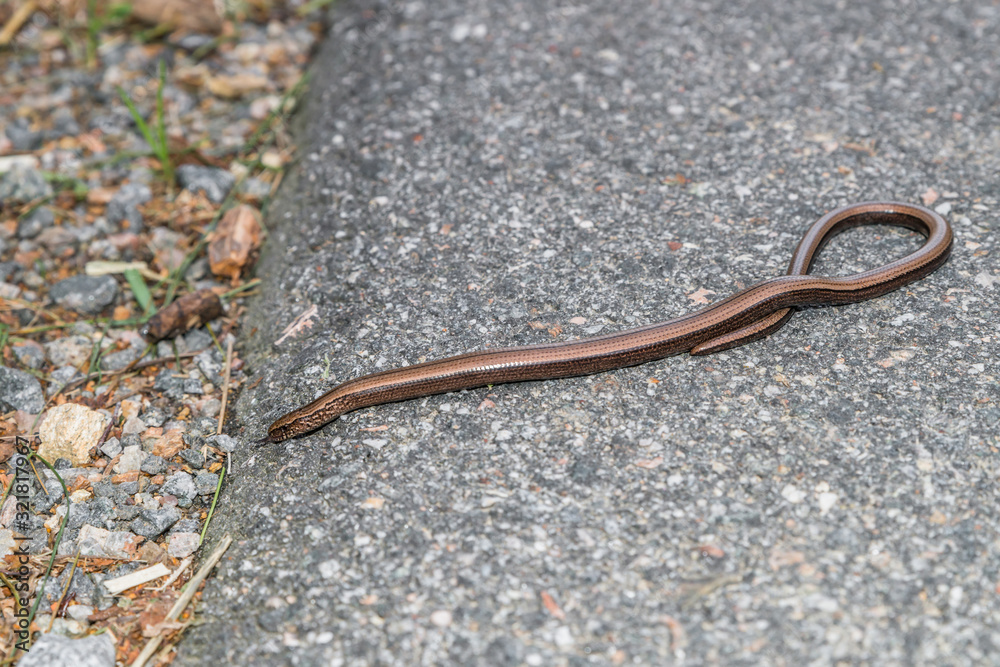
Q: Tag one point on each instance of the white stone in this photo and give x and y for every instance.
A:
(79, 612)
(563, 637)
(7, 543)
(131, 459)
(793, 494)
(441, 618)
(183, 545)
(460, 31)
(120, 544)
(826, 501)
(133, 425)
(70, 431)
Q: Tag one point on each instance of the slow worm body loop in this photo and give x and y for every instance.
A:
(745, 316)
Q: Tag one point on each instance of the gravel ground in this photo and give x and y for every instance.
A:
(120, 414)
(502, 173)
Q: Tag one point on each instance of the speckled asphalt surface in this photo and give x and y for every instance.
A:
(500, 173)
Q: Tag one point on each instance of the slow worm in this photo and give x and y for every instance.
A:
(747, 315)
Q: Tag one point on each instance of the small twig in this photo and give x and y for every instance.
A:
(134, 366)
(165, 651)
(225, 384)
(184, 599)
(242, 288)
(107, 431)
(176, 573)
(38, 477)
(21, 15)
(131, 367)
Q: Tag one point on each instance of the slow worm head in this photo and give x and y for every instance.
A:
(745, 316)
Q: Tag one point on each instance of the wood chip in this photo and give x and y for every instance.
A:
(552, 606)
(19, 18)
(699, 296)
(237, 85)
(188, 312)
(100, 196)
(235, 238)
(195, 15)
(137, 578)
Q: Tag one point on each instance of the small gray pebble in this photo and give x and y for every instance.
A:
(45, 499)
(116, 361)
(153, 465)
(193, 457)
(64, 124)
(97, 512)
(128, 488)
(193, 386)
(206, 425)
(153, 417)
(256, 188)
(197, 339)
(112, 447)
(215, 182)
(29, 354)
(85, 294)
(103, 489)
(127, 512)
(9, 269)
(172, 387)
(132, 457)
(22, 137)
(210, 364)
(185, 526)
(32, 224)
(179, 484)
(206, 483)
(153, 523)
(62, 376)
(24, 184)
(20, 391)
(81, 587)
(124, 205)
(224, 442)
(114, 124)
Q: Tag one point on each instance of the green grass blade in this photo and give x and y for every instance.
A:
(215, 499)
(137, 117)
(139, 289)
(58, 539)
(163, 151)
